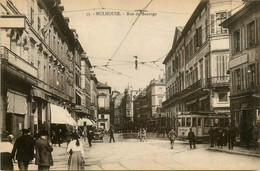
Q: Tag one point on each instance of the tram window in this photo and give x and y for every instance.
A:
(199, 121)
(188, 122)
(221, 122)
(226, 122)
(216, 122)
(206, 122)
(183, 122)
(194, 122)
(211, 122)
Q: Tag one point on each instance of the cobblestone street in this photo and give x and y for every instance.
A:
(154, 154)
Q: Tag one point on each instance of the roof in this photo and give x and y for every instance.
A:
(241, 12)
(102, 85)
(177, 33)
(186, 28)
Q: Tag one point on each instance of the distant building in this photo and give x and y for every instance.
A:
(104, 109)
(156, 94)
(196, 66)
(83, 98)
(244, 27)
(141, 109)
(93, 96)
(118, 113)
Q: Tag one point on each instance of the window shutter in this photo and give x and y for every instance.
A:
(212, 23)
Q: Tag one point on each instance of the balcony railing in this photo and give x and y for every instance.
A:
(219, 81)
(18, 62)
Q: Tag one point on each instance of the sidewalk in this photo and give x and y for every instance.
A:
(238, 150)
(60, 159)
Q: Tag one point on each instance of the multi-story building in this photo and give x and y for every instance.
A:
(141, 109)
(196, 66)
(38, 56)
(244, 66)
(156, 95)
(83, 94)
(94, 96)
(104, 110)
(118, 114)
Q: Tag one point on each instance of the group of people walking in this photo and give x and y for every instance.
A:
(227, 136)
(142, 134)
(26, 148)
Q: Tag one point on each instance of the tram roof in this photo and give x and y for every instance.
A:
(204, 113)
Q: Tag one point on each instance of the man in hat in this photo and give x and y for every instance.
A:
(43, 152)
(23, 150)
(172, 136)
(111, 134)
(192, 138)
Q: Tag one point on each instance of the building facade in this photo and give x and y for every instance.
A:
(83, 98)
(244, 68)
(38, 53)
(94, 96)
(156, 94)
(104, 109)
(118, 114)
(196, 66)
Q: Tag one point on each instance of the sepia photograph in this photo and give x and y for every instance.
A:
(130, 85)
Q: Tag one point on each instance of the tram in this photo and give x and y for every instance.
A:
(200, 122)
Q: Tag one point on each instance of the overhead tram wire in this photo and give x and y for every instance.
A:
(127, 34)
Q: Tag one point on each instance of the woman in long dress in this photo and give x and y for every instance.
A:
(76, 151)
(5, 152)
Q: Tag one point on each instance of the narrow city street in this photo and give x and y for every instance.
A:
(154, 154)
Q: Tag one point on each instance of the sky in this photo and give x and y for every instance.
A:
(116, 39)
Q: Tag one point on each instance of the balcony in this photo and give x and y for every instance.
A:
(18, 62)
(219, 81)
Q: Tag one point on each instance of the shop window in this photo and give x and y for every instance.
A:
(222, 97)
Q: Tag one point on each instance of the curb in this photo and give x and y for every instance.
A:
(235, 152)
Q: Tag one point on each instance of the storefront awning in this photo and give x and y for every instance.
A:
(59, 115)
(85, 121)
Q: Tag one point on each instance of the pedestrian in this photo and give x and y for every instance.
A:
(53, 138)
(211, 136)
(59, 136)
(231, 135)
(90, 137)
(111, 134)
(192, 138)
(144, 134)
(68, 137)
(6, 152)
(220, 138)
(43, 152)
(140, 134)
(224, 136)
(23, 150)
(76, 151)
(172, 136)
(255, 137)
(216, 136)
